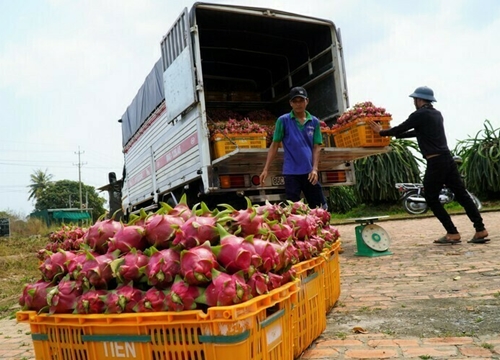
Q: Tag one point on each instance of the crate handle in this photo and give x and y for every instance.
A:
(224, 339)
(117, 338)
(272, 318)
(310, 277)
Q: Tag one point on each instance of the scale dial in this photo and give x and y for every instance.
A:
(375, 237)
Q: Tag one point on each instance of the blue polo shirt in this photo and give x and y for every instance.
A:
(298, 142)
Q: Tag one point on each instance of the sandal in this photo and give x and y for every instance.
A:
(445, 240)
(476, 240)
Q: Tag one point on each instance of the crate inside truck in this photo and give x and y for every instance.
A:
(223, 65)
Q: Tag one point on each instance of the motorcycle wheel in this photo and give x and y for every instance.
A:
(412, 207)
(476, 201)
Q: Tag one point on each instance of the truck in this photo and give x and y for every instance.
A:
(226, 59)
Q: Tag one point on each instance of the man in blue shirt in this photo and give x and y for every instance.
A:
(300, 134)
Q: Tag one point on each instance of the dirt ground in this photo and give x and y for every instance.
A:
(422, 289)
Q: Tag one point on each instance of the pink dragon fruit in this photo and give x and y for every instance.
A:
(236, 253)
(130, 237)
(323, 217)
(272, 211)
(153, 300)
(96, 271)
(63, 297)
(130, 267)
(75, 264)
(304, 225)
(122, 300)
(55, 267)
(98, 235)
(34, 296)
(225, 290)
(258, 283)
(197, 264)
(288, 276)
(160, 229)
(306, 250)
(318, 242)
(330, 234)
(91, 302)
(181, 296)
(280, 231)
(274, 281)
(291, 255)
(247, 222)
(269, 254)
(181, 210)
(196, 230)
(162, 267)
(297, 207)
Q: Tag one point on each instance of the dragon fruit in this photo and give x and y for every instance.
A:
(91, 302)
(196, 230)
(181, 210)
(304, 225)
(130, 267)
(130, 237)
(306, 250)
(297, 207)
(317, 242)
(280, 231)
(272, 211)
(197, 264)
(330, 233)
(269, 254)
(34, 296)
(98, 235)
(160, 229)
(96, 271)
(236, 253)
(181, 296)
(162, 267)
(258, 283)
(322, 216)
(75, 264)
(153, 300)
(225, 290)
(288, 276)
(248, 221)
(55, 267)
(63, 297)
(122, 300)
(274, 281)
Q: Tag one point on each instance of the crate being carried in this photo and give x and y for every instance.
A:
(258, 329)
(353, 129)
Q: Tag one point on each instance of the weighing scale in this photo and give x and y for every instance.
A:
(371, 240)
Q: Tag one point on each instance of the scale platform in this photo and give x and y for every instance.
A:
(371, 240)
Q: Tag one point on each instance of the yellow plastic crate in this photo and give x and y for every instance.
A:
(331, 275)
(256, 329)
(359, 134)
(225, 143)
(309, 315)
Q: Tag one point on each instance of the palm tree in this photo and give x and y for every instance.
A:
(39, 182)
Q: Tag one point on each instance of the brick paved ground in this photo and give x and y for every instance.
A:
(414, 272)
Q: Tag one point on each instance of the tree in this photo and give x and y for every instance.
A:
(40, 180)
(64, 194)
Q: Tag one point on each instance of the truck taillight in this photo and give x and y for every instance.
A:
(333, 176)
(234, 181)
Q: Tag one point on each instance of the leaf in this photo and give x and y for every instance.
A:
(358, 330)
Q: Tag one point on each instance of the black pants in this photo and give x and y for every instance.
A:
(441, 170)
(295, 184)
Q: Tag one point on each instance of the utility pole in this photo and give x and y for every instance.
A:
(80, 164)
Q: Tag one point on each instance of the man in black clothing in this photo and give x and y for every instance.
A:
(426, 124)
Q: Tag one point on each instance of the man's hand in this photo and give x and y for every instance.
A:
(375, 127)
(263, 177)
(313, 177)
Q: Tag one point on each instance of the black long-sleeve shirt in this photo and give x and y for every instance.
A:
(426, 124)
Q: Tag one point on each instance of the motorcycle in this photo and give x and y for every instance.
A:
(412, 196)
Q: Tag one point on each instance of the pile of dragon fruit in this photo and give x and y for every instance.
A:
(179, 258)
(358, 111)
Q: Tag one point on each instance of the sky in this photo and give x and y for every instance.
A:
(69, 69)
